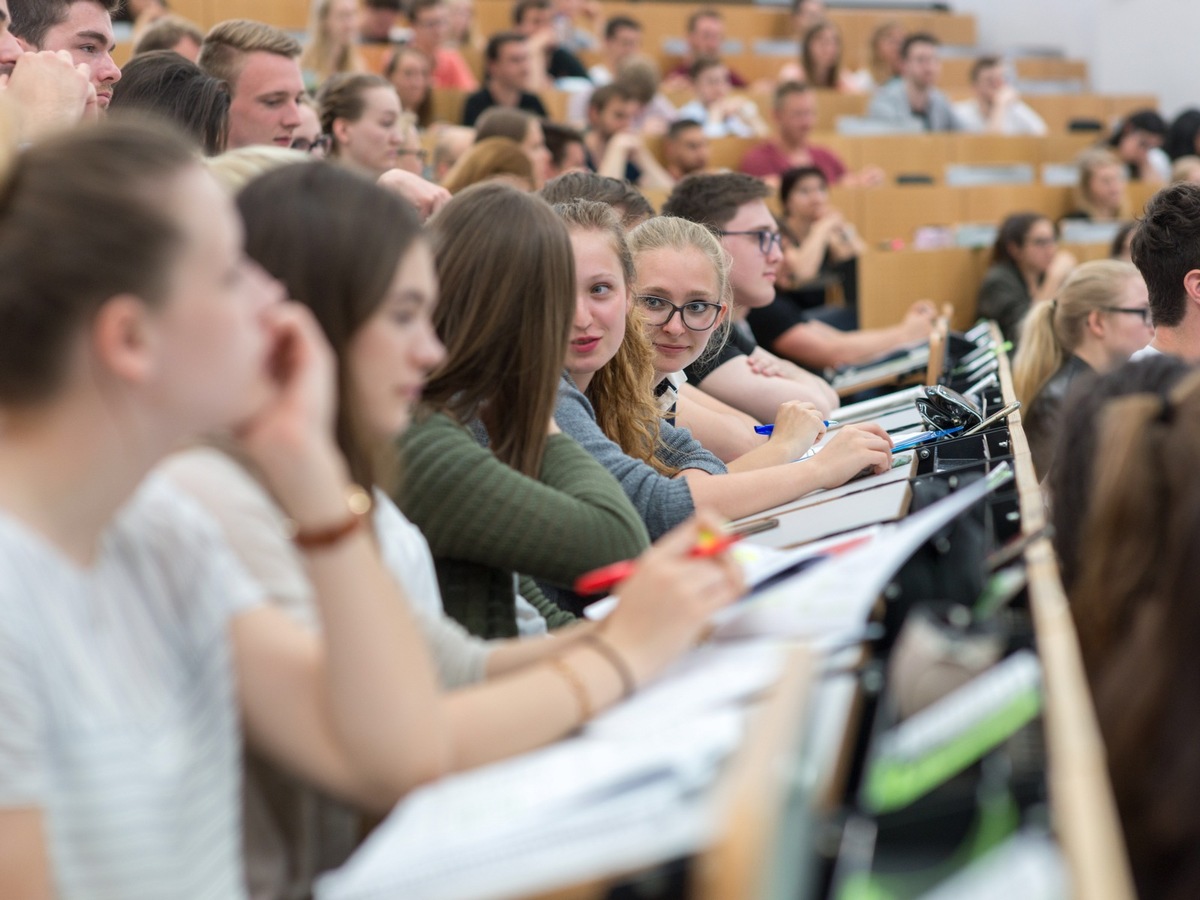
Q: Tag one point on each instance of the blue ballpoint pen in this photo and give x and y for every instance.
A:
(768, 429)
(924, 437)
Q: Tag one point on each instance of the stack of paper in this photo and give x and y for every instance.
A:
(633, 790)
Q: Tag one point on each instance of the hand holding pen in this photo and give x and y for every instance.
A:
(798, 425)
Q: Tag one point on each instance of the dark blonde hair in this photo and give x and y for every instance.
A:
(622, 390)
(507, 277)
(812, 76)
(1053, 330)
(60, 267)
(679, 234)
(321, 56)
(342, 96)
(227, 44)
(1139, 624)
(490, 158)
(1089, 162)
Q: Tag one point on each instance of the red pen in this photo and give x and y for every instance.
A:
(604, 579)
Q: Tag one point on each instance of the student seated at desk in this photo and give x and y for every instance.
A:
(742, 374)
(1100, 317)
(1101, 194)
(1133, 598)
(681, 292)
(819, 241)
(494, 486)
(610, 377)
(1027, 268)
(354, 254)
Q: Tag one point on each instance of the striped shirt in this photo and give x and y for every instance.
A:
(119, 720)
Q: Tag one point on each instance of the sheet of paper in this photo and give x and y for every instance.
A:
(510, 828)
(708, 678)
(836, 596)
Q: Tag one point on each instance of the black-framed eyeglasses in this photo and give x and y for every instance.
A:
(1142, 311)
(766, 238)
(698, 315)
(319, 144)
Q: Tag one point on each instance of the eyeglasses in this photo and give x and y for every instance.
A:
(766, 238)
(1042, 241)
(1141, 311)
(317, 145)
(421, 154)
(699, 315)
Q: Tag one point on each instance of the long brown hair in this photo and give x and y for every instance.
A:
(507, 276)
(1053, 330)
(334, 239)
(622, 390)
(1139, 624)
(832, 77)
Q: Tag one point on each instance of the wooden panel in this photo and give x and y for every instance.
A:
(289, 14)
(122, 52)
(448, 105)
(906, 154)
(889, 282)
(1121, 105)
(1051, 69)
(1139, 193)
(956, 73)
(1065, 148)
(982, 149)
(895, 213)
(727, 153)
(1086, 252)
(993, 203)
(1059, 109)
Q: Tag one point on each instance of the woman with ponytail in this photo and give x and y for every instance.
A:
(1100, 317)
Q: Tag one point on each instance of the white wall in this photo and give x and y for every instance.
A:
(1133, 46)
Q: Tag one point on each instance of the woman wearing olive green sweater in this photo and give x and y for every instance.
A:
(497, 491)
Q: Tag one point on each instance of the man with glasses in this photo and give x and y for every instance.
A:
(1166, 250)
(752, 238)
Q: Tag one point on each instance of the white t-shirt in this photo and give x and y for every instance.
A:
(1146, 352)
(1018, 118)
(118, 718)
(256, 528)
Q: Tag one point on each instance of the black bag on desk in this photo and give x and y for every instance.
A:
(949, 566)
(942, 408)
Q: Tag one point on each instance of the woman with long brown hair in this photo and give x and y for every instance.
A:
(1135, 607)
(489, 480)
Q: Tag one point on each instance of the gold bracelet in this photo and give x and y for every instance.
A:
(609, 652)
(358, 502)
(575, 683)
